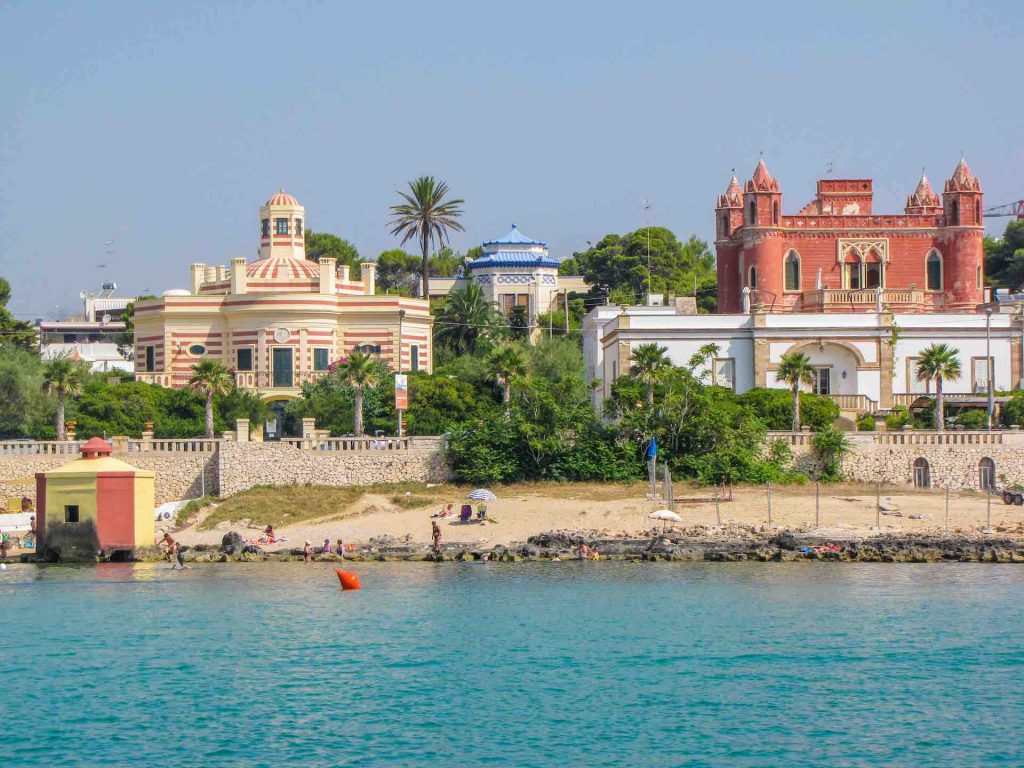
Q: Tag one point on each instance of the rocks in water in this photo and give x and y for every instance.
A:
(785, 540)
(232, 543)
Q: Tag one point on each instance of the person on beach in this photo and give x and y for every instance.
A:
(340, 549)
(435, 533)
(174, 553)
(446, 511)
(268, 533)
(326, 549)
(3, 546)
(307, 552)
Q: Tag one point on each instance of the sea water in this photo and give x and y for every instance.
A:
(536, 664)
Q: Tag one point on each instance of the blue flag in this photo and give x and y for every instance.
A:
(652, 450)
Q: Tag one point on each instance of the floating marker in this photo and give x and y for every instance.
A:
(348, 580)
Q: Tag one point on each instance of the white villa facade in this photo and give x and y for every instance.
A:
(865, 361)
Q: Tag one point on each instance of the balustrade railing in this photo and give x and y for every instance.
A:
(904, 437)
(39, 447)
(349, 444)
(854, 402)
(824, 298)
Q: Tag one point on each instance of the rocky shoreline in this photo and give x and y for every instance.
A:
(733, 544)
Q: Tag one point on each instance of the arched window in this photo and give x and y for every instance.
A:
(852, 272)
(978, 219)
(752, 213)
(922, 473)
(792, 271)
(987, 474)
(981, 278)
(725, 225)
(954, 212)
(933, 271)
(753, 279)
(775, 214)
(873, 270)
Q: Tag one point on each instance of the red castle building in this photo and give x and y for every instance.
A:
(835, 253)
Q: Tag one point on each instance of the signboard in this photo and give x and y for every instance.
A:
(401, 391)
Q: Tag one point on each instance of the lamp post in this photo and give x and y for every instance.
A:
(988, 364)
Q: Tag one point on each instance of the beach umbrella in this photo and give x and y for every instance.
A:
(482, 494)
(666, 516)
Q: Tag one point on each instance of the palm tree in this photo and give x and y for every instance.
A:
(795, 369)
(650, 364)
(62, 377)
(939, 361)
(504, 363)
(466, 316)
(360, 372)
(210, 378)
(427, 216)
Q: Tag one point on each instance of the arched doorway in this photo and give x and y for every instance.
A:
(922, 473)
(987, 474)
(280, 423)
(835, 365)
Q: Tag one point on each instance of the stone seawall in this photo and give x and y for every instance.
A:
(178, 475)
(952, 463)
(244, 465)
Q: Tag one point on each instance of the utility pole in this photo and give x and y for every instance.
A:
(988, 365)
(647, 221)
(401, 316)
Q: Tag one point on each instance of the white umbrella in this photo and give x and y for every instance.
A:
(482, 494)
(666, 515)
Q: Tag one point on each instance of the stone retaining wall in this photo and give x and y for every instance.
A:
(178, 475)
(955, 465)
(244, 465)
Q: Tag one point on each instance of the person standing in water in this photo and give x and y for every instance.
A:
(174, 553)
(307, 552)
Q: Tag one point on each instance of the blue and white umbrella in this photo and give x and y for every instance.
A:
(482, 494)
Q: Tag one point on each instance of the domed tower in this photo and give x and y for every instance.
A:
(761, 263)
(282, 227)
(728, 218)
(924, 200)
(961, 242)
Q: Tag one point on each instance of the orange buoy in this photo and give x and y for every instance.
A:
(348, 580)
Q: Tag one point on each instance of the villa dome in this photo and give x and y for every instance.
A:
(282, 198)
(283, 269)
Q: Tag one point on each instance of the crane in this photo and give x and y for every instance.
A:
(1010, 209)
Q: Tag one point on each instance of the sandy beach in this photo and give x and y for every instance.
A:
(525, 510)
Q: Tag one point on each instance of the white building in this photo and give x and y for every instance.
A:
(865, 361)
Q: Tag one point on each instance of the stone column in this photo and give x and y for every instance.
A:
(242, 430)
(147, 439)
(308, 433)
(886, 353)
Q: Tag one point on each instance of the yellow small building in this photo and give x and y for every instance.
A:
(97, 497)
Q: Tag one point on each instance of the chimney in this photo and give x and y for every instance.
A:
(238, 276)
(368, 269)
(343, 275)
(328, 287)
(198, 273)
(211, 275)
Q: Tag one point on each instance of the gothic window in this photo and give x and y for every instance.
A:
(981, 282)
(954, 212)
(977, 213)
(280, 226)
(873, 270)
(933, 269)
(775, 214)
(752, 213)
(792, 270)
(753, 279)
(725, 225)
(852, 273)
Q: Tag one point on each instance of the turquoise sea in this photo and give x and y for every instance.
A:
(561, 664)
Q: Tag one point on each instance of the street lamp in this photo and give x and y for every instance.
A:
(401, 317)
(988, 364)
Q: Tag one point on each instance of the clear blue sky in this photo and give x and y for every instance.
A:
(163, 127)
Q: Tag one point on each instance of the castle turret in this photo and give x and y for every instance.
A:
(924, 199)
(728, 218)
(760, 268)
(962, 241)
(282, 227)
(762, 198)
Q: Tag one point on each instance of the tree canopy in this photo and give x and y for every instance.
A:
(617, 265)
(325, 244)
(1004, 257)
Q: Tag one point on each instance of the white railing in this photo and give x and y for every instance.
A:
(922, 437)
(169, 445)
(854, 402)
(349, 444)
(39, 447)
(908, 398)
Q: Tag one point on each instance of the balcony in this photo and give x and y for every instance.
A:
(261, 380)
(866, 299)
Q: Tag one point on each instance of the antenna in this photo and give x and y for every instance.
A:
(647, 222)
(830, 166)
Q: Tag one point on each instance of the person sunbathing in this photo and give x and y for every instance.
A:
(447, 511)
(268, 536)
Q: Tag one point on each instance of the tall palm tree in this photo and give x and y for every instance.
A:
(62, 377)
(360, 372)
(210, 378)
(504, 363)
(939, 361)
(650, 364)
(427, 216)
(795, 369)
(466, 316)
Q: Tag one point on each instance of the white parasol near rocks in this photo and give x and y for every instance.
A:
(666, 516)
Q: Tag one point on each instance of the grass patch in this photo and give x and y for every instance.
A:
(412, 501)
(283, 505)
(191, 509)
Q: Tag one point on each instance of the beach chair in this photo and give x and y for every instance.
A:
(466, 514)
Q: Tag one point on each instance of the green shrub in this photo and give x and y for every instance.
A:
(865, 423)
(775, 408)
(899, 417)
(831, 445)
(975, 418)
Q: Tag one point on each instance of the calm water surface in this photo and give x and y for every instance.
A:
(559, 664)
